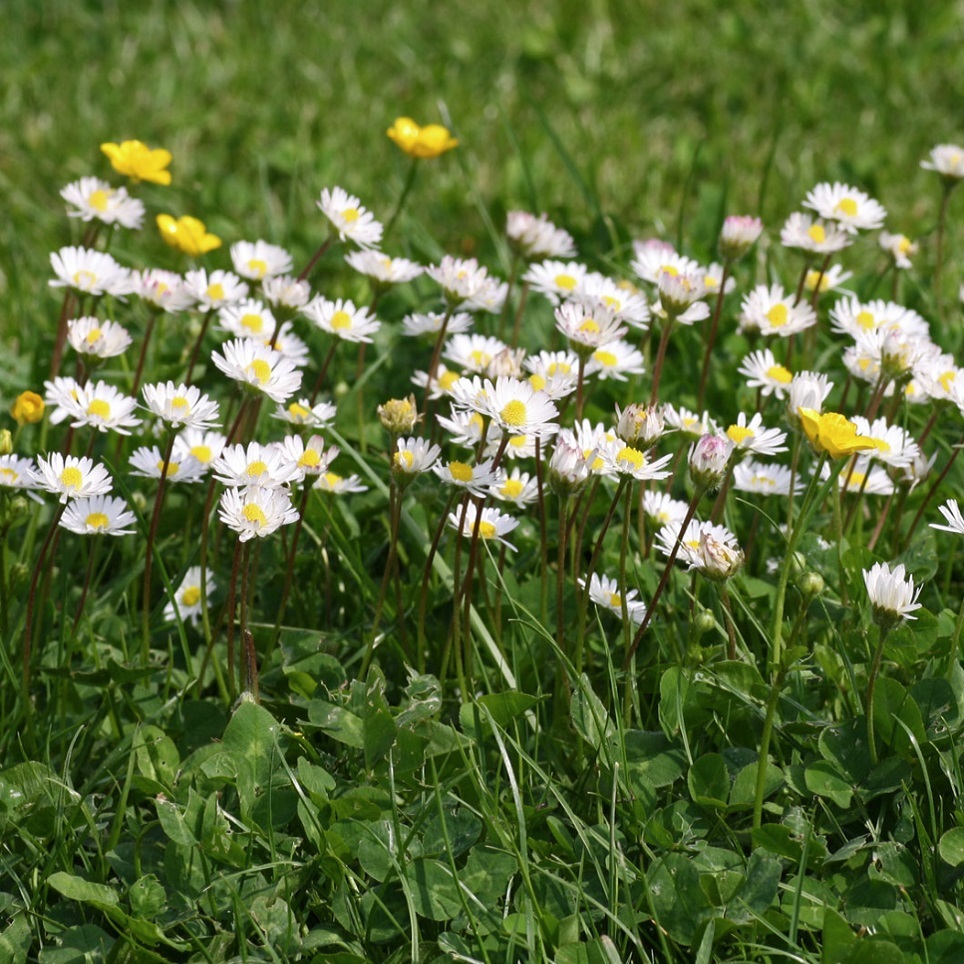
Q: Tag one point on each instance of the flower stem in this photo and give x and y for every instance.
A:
(871, 685)
(711, 338)
(149, 557)
(316, 257)
(761, 767)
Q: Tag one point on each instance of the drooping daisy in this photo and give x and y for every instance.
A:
(604, 592)
(851, 208)
(216, 290)
(900, 248)
(342, 319)
(267, 466)
(92, 199)
(765, 478)
(100, 515)
(813, 235)
(339, 484)
(265, 370)
(163, 290)
(717, 559)
(90, 272)
(103, 407)
(952, 516)
(506, 364)
(352, 221)
(679, 296)
(302, 412)
(412, 457)
(752, 436)
(258, 260)
(69, 477)
(640, 425)
(247, 319)
(382, 269)
(615, 360)
(148, 462)
(308, 458)
(556, 280)
(761, 370)
(203, 446)
(892, 593)
(184, 406)
(430, 324)
(770, 311)
(99, 339)
(459, 278)
(255, 512)
(493, 525)
(187, 599)
(948, 161)
(285, 291)
(537, 238)
(652, 261)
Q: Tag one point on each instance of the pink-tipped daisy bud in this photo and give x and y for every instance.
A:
(398, 415)
(716, 560)
(639, 425)
(708, 460)
(738, 235)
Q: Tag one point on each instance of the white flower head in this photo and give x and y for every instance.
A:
(201, 445)
(493, 525)
(952, 516)
(103, 407)
(188, 600)
(900, 248)
(430, 324)
(537, 238)
(752, 436)
(382, 269)
(851, 208)
(96, 338)
(162, 290)
(556, 280)
(460, 279)
(248, 318)
(519, 409)
(255, 512)
(69, 477)
(99, 515)
(892, 593)
(267, 371)
(92, 199)
(948, 161)
(259, 260)
(214, 290)
(180, 405)
(342, 319)
(308, 458)
(770, 311)
(588, 332)
(738, 234)
(148, 461)
(265, 466)
(761, 370)
(813, 235)
(352, 221)
(412, 457)
(284, 291)
(303, 413)
(90, 272)
(615, 360)
(604, 592)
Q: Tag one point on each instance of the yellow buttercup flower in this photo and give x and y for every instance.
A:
(139, 162)
(187, 234)
(428, 141)
(833, 433)
(27, 408)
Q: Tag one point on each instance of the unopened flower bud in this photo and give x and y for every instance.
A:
(704, 621)
(811, 584)
(19, 574)
(398, 415)
(678, 291)
(738, 235)
(708, 460)
(639, 425)
(569, 468)
(6, 442)
(140, 502)
(19, 508)
(27, 408)
(718, 561)
(507, 363)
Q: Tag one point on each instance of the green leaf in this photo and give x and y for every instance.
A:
(379, 730)
(590, 718)
(15, 940)
(892, 703)
(252, 734)
(823, 779)
(173, 823)
(76, 888)
(85, 944)
(679, 904)
(759, 890)
(147, 897)
(434, 889)
(340, 724)
(951, 847)
(709, 781)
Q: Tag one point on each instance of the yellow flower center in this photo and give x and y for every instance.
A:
(630, 456)
(847, 206)
(606, 358)
(882, 444)
(589, 327)
(487, 530)
(817, 233)
(180, 403)
(518, 441)
(598, 463)
(8, 475)
(813, 277)
(780, 374)
(258, 267)
(557, 368)
(614, 304)
(340, 320)
(739, 433)
(615, 600)
(866, 320)
(93, 335)
(404, 459)
(460, 471)
(96, 520)
(191, 596)
(172, 468)
(762, 480)
(85, 279)
(254, 323)
(777, 315)
(447, 379)
(710, 282)
(71, 478)
(215, 292)
(476, 422)
(202, 453)
(254, 514)
(260, 369)
(670, 270)
(512, 488)
(332, 479)
(565, 281)
(947, 379)
(98, 200)
(310, 459)
(298, 411)
(537, 382)
(98, 408)
(256, 469)
(350, 215)
(856, 480)
(480, 358)
(514, 413)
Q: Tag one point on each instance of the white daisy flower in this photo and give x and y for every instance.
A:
(201, 445)
(621, 298)
(652, 261)
(752, 436)
(100, 339)
(61, 396)
(460, 278)
(586, 333)
(265, 370)
(761, 370)
(765, 478)
(308, 458)
(90, 272)
(216, 290)
(267, 466)
(770, 311)
(338, 484)
(441, 384)
(417, 325)
(148, 462)
(180, 405)
(604, 592)
(464, 427)
(413, 456)
(285, 291)
(556, 280)
(689, 550)
(103, 407)
(738, 234)
(894, 446)
(631, 461)
(537, 238)
(493, 525)
(687, 423)
(490, 297)
(717, 560)
(947, 160)
(302, 412)
(187, 598)
(852, 317)
(518, 487)
(17, 472)
(473, 353)
(891, 592)
(595, 442)
(899, 247)
(517, 408)
(382, 269)
(852, 209)
(680, 292)
(516, 446)
(342, 319)
(100, 515)
(163, 290)
(69, 477)
(615, 360)
(708, 459)
(247, 319)
(569, 468)
(807, 390)
(289, 344)
(352, 221)
(255, 512)
(813, 235)
(830, 280)
(863, 477)
(476, 479)
(713, 278)
(952, 516)
(92, 199)
(662, 509)
(259, 260)
(554, 372)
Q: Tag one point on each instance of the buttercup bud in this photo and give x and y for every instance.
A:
(28, 408)
(6, 442)
(811, 584)
(704, 621)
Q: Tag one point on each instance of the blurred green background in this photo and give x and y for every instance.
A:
(620, 119)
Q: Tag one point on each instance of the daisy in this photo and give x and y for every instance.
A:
(149, 463)
(284, 291)
(475, 479)
(517, 408)
(163, 290)
(891, 592)
(516, 446)
(753, 437)
(604, 592)
(490, 297)
(473, 353)
(518, 487)
(506, 364)
(493, 525)
(738, 234)
(352, 221)
(308, 458)
(203, 446)
(631, 461)
(689, 550)
(382, 269)
(338, 484)
(556, 280)
(587, 332)
(813, 235)
(952, 516)
(99, 339)
(100, 515)
(899, 247)
(640, 425)
(894, 445)
(460, 279)
(265, 370)
(70, 477)
(187, 599)
(851, 209)
(616, 360)
(464, 427)
(622, 299)
(537, 238)
(652, 261)
(830, 280)
(302, 412)
(342, 319)
(771, 312)
(256, 512)
(429, 325)
(289, 344)
(596, 442)
(412, 457)
(247, 319)
(17, 472)
(103, 407)
(709, 459)
(62, 394)
(259, 260)
(569, 468)
(948, 161)
(215, 290)
(713, 278)
(761, 370)
(181, 406)
(90, 272)
(863, 477)
(689, 424)
(553, 372)
(852, 317)
(267, 466)
(765, 479)
(807, 390)
(680, 294)
(92, 199)
(716, 559)
(441, 384)
(662, 509)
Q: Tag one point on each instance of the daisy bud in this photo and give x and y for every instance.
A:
(892, 594)
(738, 235)
(569, 468)
(6, 442)
(708, 459)
(398, 415)
(678, 291)
(716, 560)
(639, 425)
(704, 622)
